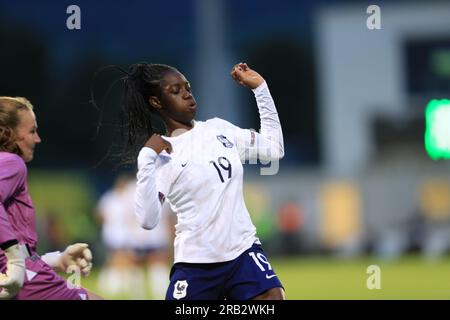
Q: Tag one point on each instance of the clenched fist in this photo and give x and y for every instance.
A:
(158, 144)
(246, 77)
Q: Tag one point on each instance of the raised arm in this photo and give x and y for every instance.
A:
(268, 143)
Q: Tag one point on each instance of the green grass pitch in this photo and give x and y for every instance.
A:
(314, 278)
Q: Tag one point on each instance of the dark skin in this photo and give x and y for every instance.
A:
(176, 106)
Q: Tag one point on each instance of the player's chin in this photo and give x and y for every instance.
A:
(28, 157)
(191, 112)
(187, 118)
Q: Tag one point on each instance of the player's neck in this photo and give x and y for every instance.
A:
(174, 128)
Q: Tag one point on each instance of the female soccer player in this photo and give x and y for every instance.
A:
(196, 167)
(23, 273)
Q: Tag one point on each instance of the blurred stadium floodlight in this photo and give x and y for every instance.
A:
(437, 132)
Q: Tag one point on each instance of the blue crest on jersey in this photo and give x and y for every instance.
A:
(226, 143)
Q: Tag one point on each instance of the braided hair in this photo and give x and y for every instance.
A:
(143, 80)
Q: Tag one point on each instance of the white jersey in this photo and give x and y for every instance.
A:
(202, 179)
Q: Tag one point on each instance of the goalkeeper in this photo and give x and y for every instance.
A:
(24, 275)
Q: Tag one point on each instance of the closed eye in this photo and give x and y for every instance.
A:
(175, 89)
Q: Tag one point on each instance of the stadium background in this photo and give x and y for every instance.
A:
(356, 187)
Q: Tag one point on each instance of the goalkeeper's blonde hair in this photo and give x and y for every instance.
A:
(9, 120)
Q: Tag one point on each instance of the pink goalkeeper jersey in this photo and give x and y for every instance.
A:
(17, 215)
(17, 221)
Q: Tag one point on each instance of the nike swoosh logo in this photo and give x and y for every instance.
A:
(270, 277)
(184, 164)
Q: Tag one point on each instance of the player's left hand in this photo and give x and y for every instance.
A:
(77, 254)
(245, 76)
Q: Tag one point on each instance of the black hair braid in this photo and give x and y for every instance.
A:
(143, 81)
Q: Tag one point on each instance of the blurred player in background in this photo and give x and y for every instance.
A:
(131, 249)
(196, 167)
(23, 273)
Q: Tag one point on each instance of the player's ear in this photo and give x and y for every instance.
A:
(154, 102)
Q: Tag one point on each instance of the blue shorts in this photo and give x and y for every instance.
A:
(243, 278)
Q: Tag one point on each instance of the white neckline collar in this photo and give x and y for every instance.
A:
(181, 134)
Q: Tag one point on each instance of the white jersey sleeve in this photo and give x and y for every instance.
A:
(148, 199)
(268, 143)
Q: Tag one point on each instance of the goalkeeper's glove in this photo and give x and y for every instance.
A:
(78, 255)
(12, 281)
